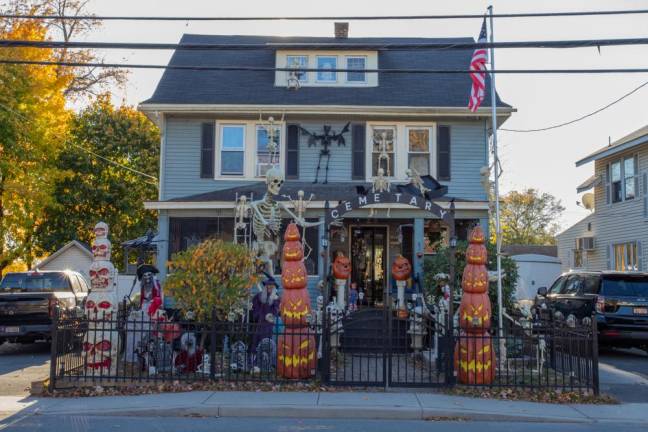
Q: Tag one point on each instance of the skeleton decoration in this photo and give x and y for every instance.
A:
(380, 182)
(272, 136)
(266, 219)
(300, 205)
(383, 156)
(241, 213)
(416, 180)
(416, 328)
(335, 316)
(100, 345)
(150, 289)
(326, 139)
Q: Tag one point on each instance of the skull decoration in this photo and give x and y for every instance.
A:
(101, 249)
(101, 273)
(274, 180)
(101, 230)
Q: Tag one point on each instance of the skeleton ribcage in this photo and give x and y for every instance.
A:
(271, 214)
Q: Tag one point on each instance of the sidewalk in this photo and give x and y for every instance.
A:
(401, 406)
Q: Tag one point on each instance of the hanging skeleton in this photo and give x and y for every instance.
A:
(266, 219)
(380, 182)
(240, 214)
(325, 139)
(416, 180)
(272, 136)
(383, 144)
(300, 206)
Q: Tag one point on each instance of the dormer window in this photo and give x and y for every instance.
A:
(298, 62)
(326, 62)
(356, 62)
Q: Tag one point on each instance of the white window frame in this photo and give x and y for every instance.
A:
(583, 257)
(304, 78)
(317, 78)
(221, 128)
(431, 145)
(346, 74)
(621, 161)
(280, 162)
(625, 246)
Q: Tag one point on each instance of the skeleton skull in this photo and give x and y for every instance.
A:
(101, 273)
(274, 180)
(101, 249)
(101, 230)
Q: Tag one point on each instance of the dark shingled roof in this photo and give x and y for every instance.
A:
(249, 87)
(512, 250)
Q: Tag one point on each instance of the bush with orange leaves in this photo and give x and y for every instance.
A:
(212, 274)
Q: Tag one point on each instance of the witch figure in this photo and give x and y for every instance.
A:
(265, 310)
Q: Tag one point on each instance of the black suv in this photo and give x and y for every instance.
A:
(620, 301)
(29, 300)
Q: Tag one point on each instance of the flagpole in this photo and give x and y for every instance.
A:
(496, 165)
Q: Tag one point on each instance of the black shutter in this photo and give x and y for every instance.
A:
(443, 153)
(207, 151)
(358, 152)
(292, 152)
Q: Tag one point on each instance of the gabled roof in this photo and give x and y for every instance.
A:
(74, 243)
(187, 87)
(638, 137)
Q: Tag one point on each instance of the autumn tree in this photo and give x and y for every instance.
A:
(111, 166)
(529, 217)
(33, 122)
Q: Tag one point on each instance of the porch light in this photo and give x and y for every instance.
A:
(453, 242)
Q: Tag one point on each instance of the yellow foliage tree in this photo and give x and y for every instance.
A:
(212, 274)
(33, 123)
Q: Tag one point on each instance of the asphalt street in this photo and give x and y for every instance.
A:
(199, 424)
(22, 364)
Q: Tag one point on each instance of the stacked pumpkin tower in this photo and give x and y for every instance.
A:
(474, 355)
(296, 351)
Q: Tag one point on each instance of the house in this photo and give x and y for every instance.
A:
(615, 235)
(215, 131)
(538, 266)
(75, 255)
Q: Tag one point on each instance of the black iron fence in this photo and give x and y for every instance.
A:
(370, 347)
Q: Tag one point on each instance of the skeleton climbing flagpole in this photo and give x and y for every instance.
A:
(497, 173)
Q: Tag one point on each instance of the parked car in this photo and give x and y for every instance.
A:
(28, 301)
(618, 299)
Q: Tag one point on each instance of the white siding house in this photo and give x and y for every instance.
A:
(615, 235)
(73, 256)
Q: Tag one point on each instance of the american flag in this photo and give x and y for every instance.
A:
(478, 72)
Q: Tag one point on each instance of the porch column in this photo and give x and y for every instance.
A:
(484, 225)
(417, 243)
(163, 243)
(320, 259)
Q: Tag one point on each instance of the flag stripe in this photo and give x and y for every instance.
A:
(478, 77)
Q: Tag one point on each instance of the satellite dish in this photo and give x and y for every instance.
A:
(588, 201)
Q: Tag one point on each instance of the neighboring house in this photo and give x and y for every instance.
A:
(615, 235)
(214, 142)
(538, 266)
(75, 255)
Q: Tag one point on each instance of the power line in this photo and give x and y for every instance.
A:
(583, 43)
(636, 89)
(285, 69)
(325, 18)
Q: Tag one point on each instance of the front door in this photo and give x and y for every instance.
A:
(369, 262)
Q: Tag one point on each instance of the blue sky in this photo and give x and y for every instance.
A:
(541, 160)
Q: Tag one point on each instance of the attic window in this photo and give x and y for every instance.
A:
(356, 62)
(298, 62)
(326, 62)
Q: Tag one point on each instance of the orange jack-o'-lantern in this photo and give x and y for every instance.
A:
(295, 308)
(475, 279)
(477, 236)
(292, 233)
(341, 267)
(475, 359)
(401, 268)
(475, 312)
(296, 355)
(476, 254)
(293, 251)
(293, 275)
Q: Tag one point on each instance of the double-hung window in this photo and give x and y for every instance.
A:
(419, 143)
(625, 257)
(356, 62)
(623, 179)
(326, 66)
(232, 150)
(298, 62)
(266, 158)
(382, 150)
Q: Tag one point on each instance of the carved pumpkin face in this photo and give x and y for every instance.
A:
(295, 308)
(475, 279)
(401, 268)
(475, 359)
(296, 355)
(292, 233)
(341, 267)
(477, 235)
(293, 275)
(475, 312)
(293, 251)
(476, 254)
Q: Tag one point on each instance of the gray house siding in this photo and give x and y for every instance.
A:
(613, 223)
(567, 243)
(182, 159)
